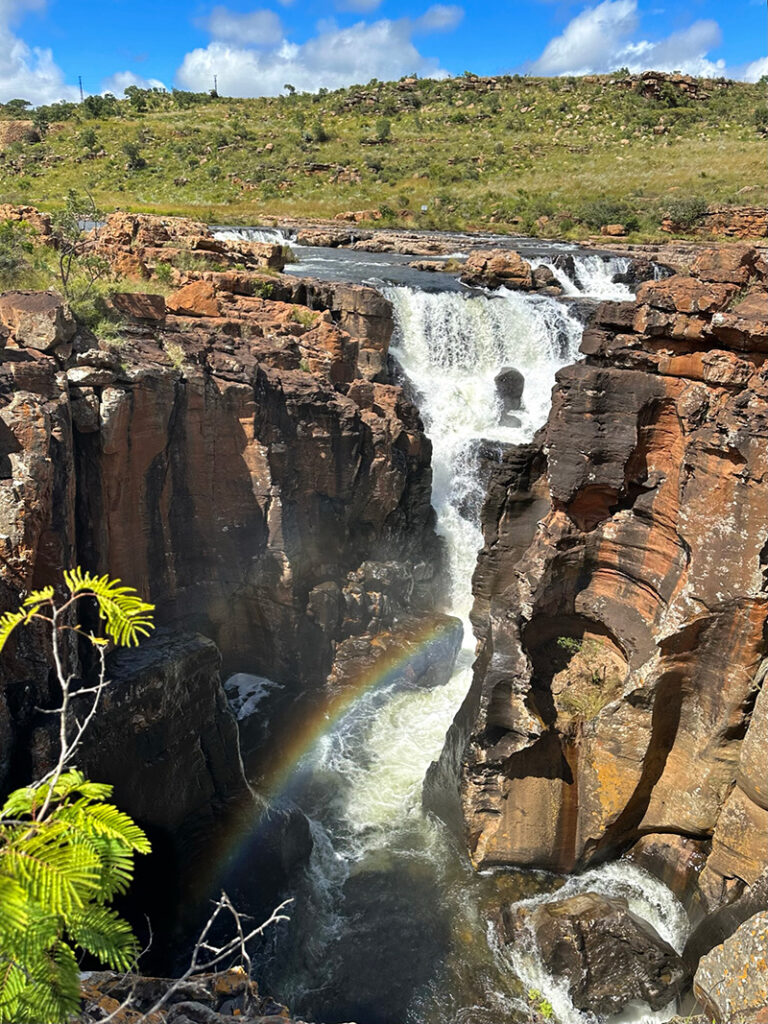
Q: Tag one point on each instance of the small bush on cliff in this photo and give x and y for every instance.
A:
(65, 852)
(16, 254)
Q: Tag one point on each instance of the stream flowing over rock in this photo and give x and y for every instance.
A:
(607, 955)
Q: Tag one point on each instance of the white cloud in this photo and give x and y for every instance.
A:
(755, 71)
(119, 82)
(333, 58)
(601, 39)
(439, 18)
(256, 28)
(27, 72)
(590, 38)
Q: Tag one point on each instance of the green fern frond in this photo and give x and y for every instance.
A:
(13, 982)
(126, 617)
(102, 932)
(57, 874)
(8, 622)
(38, 597)
(14, 906)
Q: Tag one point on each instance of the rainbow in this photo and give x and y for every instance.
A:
(401, 653)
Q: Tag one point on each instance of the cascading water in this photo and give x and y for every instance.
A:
(274, 235)
(590, 276)
(390, 923)
(451, 347)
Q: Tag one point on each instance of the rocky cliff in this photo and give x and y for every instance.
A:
(622, 600)
(237, 454)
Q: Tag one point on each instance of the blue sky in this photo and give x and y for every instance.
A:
(255, 48)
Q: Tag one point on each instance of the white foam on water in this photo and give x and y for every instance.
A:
(648, 898)
(245, 692)
(593, 276)
(451, 347)
(274, 235)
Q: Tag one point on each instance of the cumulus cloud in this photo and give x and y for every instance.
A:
(755, 71)
(256, 28)
(119, 82)
(602, 38)
(335, 57)
(27, 72)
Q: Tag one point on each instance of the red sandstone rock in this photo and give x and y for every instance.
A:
(732, 981)
(649, 560)
(39, 320)
(139, 306)
(196, 299)
(497, 267)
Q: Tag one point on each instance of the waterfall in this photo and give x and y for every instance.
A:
(451, 347)
(390, 923)
(590, 276)
(274, 235)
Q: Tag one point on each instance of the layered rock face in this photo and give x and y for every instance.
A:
(622, 596)
(235, 454)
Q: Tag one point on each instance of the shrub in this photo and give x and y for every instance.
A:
(383, 129)
(598, 212)
(65, 853)
(16, 252)
(686, 211)
(88, 139)
(135, 160)
(319, 134)
(164, 273)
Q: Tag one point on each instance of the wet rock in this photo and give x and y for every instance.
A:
(677, 861)
(608, 956)
(731, 982)
(510, 384)
(37, 320)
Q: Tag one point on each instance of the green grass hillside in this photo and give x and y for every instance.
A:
(557, 156)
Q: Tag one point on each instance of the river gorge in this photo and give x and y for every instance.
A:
(476, 634)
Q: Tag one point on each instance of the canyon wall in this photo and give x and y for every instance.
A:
(622, 600)
(236, 454)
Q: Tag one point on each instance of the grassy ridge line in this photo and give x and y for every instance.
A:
(479, 153)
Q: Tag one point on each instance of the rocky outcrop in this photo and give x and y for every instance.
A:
(37, 320)
(607, 956)
(492, 268)
(17, 131)
(731, 982)
(621, 596)
(235, 457)
(730, 221)
(135, 243)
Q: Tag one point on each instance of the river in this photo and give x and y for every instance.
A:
(390, 924)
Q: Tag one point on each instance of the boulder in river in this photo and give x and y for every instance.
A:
(509, 387)
(608, 955)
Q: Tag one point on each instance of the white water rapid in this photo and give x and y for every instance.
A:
(274, 235)
(394, 921)
(590, 276)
